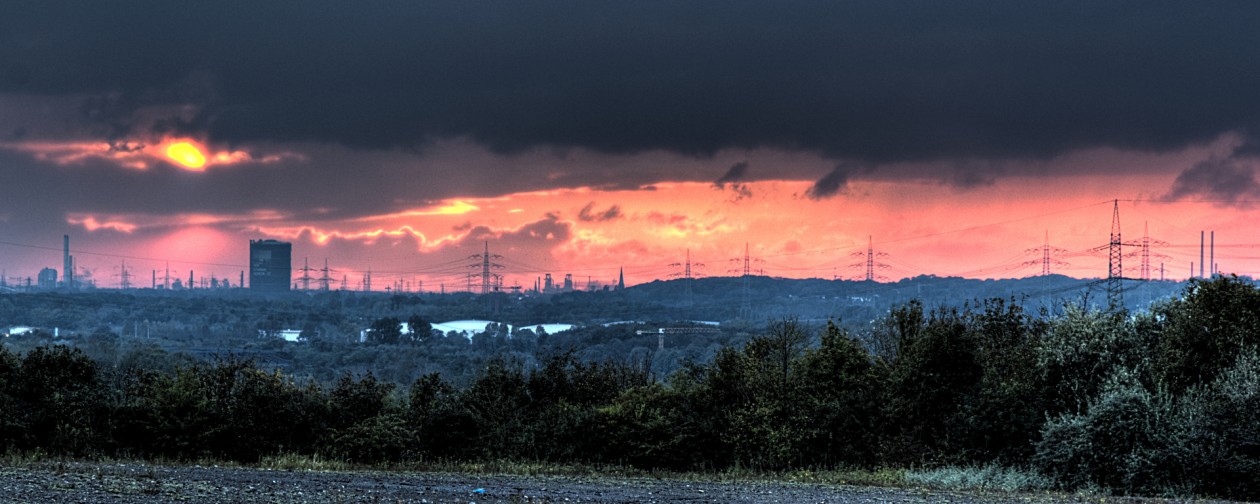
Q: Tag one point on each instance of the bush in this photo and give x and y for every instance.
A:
(12, 421)
(384, 438)
(1081, 350)
(1216, 434)
(64, 401)
(645, 428)
(1116, 443)
(1207, 330)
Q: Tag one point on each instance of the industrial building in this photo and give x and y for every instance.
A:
(270, 265)
(47, 279)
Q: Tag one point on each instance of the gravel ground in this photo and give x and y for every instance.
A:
(142, 483)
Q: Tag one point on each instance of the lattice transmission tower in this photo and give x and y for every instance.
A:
(870, 264)
(687, 274)
(1115, 270)
(123, 273)
(1049, 257)
(306, 274)
(325, 278)
(490, 282)
(745, 269)
(1144, 252)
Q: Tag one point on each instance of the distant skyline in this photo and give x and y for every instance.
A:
(582, 138)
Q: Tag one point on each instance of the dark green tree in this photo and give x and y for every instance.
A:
(1205, 330)
(385, 331)
(64, 401)
(12, 413)
(421, 331)
(933, 375)
(840, 396)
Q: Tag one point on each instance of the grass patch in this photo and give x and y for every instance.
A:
(297, 462)
(525, 468)
(971, 478)
(15, 458)
(986, 477)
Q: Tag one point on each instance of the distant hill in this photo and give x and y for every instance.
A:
(722, 298)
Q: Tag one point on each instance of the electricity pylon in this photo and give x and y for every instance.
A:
(485, 261)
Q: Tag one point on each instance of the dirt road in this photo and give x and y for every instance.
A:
(141, 483)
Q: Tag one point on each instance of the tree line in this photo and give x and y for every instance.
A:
(1162, 401)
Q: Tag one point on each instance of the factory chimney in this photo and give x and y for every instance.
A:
(67, 272)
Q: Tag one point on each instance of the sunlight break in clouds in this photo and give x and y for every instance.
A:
(91, 224)
(186, 154)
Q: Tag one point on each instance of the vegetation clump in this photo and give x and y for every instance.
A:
(982, 396)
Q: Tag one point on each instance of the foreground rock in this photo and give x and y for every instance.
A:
(140, 483)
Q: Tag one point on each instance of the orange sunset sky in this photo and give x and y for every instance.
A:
(579, 139)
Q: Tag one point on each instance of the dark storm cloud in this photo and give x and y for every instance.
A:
(1225, 180)
(589, 214)
(733, 180)
(834, 182)
(540, 234)
(871, 81)
(733, 176)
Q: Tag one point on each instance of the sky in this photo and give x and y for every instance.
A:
(589, 138)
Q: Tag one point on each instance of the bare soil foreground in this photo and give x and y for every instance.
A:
(141, 483)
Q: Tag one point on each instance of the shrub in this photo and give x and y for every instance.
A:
(1205, 331)
(1115, 443)
(64, 400)
(384, 438)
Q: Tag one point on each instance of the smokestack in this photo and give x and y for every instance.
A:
(67, 266)
(1200, 254)
(1212, 256)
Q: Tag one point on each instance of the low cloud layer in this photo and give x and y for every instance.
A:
(733, 180)
(834, 183)
(1224, 180)
(590, 214)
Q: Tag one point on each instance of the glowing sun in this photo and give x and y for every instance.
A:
(187, 155)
